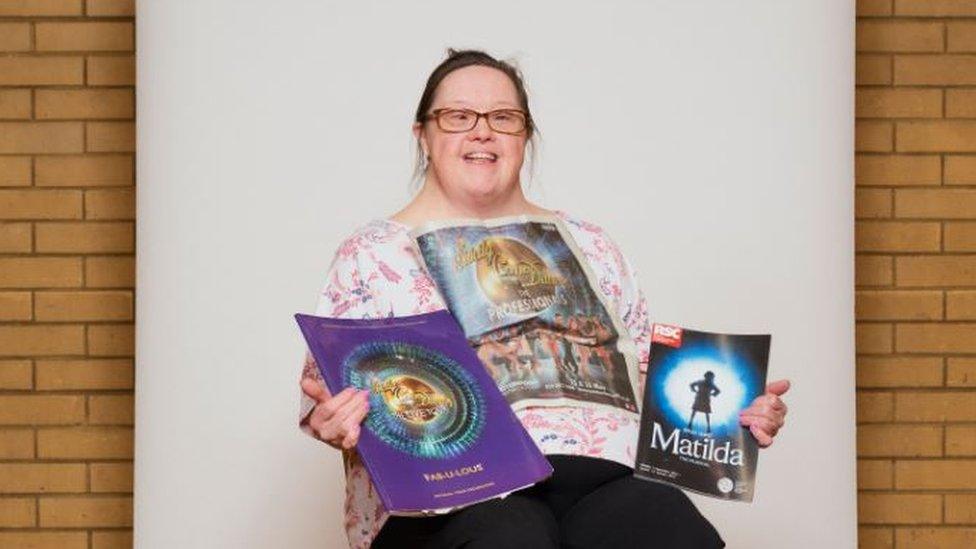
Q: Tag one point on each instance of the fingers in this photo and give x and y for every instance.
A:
(314, 389)
(762, 438)
(333, 420)
(778, 387)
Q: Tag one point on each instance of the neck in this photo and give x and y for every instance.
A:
(433, 203)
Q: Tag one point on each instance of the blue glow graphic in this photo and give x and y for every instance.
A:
(682, 367)
(450, 432)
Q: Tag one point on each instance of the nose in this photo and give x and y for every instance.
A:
(481, 130)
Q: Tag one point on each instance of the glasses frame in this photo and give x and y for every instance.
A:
(435, 114)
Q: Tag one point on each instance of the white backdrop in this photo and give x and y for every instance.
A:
(712, 139)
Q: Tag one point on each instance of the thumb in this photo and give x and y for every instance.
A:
(778, 387)
(315, 389)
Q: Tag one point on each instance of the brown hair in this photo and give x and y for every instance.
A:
(457, 59)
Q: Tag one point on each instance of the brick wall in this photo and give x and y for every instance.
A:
(66, 273)
(916, 273)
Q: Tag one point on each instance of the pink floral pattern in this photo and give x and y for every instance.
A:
(377, 272)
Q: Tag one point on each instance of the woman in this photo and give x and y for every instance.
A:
(472, 127)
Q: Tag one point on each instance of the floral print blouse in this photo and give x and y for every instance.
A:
(378, 272)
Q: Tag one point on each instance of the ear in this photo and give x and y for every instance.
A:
(418, 133)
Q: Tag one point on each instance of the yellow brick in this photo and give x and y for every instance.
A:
(931, 203)
(41, 137)
(39, 272)
(873, 270)
(111, 340)
(91, 103)
(85, 512)
(867, 8)
(899, 440)
(936, 538)
(899, 36)
(936, 337)
(960, 170)
(111, 70)
(961, 103)
(941, 136)
(110, 272)
(874, 407)
(85, 443)
(111, 137)
(41, 409)
(43, 540)
(961, 305)
(84, 36)
(112, 373)
(16, 374)
(84, 237)
(898, 103)
(935, 70)
(898, 305)
(40, 71)
(110, 204)
(899, 508)
(895, 236)
(960, 508)
(17, 513)
(15, 306)
(84, 171)
(15, 37)
(29, 340)
(960, 440)
(891, 371)
(16, 443)
(935, 8)
(871, 136)
(959, 236)
(111, 8)
(961, 372)
(869, 537)
(111, 477)
(36, 204)
(874, 474)
(112, 539)
(872, 69)
(15, 171)
(16, 103)
(25, 478)
(894, 170)
(872, 203)
(936, 271)
(946, 474)
(40, 8)
(111, 409)
(935, 406)
(69, 305)
(15, 237)
(873, 338)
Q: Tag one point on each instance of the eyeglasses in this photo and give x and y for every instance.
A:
(510, 121)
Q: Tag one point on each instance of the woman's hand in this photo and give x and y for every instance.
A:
(335, 419)
(767, 414)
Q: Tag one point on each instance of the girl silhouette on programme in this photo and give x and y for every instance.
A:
(704, 390)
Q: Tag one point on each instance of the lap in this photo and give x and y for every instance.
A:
(629, 512)
(588, 503)
(517, 521)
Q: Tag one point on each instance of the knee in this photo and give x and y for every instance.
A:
(514, 522)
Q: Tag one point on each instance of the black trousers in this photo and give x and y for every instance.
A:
(587, 503)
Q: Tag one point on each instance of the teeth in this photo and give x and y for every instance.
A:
(487, 156)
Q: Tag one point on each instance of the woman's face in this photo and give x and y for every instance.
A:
(481, 89)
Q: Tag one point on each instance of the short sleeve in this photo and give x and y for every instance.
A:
(351, 290)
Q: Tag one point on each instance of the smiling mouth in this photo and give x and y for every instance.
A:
(480, 158)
